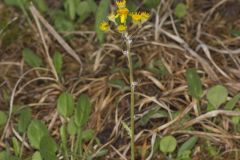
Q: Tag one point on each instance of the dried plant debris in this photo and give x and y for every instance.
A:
(60, 87)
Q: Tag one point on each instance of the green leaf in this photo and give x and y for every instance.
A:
(6, 155)
(100, 153)
(125, 126)
(235, 32)
(3, 118)
(62, 22)
(152, 3)
(236, 120)
(24, 119)
(131, 5)
(185, 155)
(157, 67)
(63, 134)
(101, 15)
(35, 132)
(48, 148)
(16, 146)
(194, 83)
(210, 107)
(31, 58)
(57, 61)
(71, 8)
(180, 10)
(188, 145)
(71, 127)
(17, 3)
(41, 5)
(87, 135)
(117, 83)
(65, 104)
(212, 150)
(217, 95)
(84, 10)
(36, 156)
(168, 144)
(93, 6)
(83, 110)
(231, 104)
(152, 114)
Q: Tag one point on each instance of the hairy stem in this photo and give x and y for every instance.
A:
(130, 65)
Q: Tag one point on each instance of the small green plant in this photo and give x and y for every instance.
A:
(180, 10)
(168, 146)
(120, 21)
(75, 118)
(216, 96)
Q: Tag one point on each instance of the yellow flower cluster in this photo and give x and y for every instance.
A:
(122, 13)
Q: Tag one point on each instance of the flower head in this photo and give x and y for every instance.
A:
(104, 26)
(123, 13)
(112, 17)
(139, 17)
(145, 16)
(122, 28)
(136, 17)
(121, 3)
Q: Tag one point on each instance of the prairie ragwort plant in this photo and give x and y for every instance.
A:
(119, 19)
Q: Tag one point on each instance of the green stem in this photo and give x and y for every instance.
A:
(130, 65)
(78, 146)
(64, 142)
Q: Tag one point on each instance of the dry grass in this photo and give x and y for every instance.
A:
(201, 40)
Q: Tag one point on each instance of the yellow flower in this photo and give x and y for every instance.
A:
(112, 17)
(121, 3)
(104, 26)
(136, 17)
(145, 16)
(122, 12)
(121, 28)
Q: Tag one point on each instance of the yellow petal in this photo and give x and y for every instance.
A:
(121, 3)
(144, 16)
(136, 17)
(112, 17)
(121, 28)
(104, 26)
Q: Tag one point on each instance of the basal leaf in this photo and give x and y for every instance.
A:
(87, 135)
(188, 145)
(231, 104)
(83, 110)
(48, 148)
(24, 119)
(84, 10)
(65, 104)
(31, 58)
(16, 146)
(168, 144)
(152, 3)
(36, 131)
(3, 118)
(71, 127)
(194, 83)
(180, 10)
(41, 5)
(217, 95)
(36, 156)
